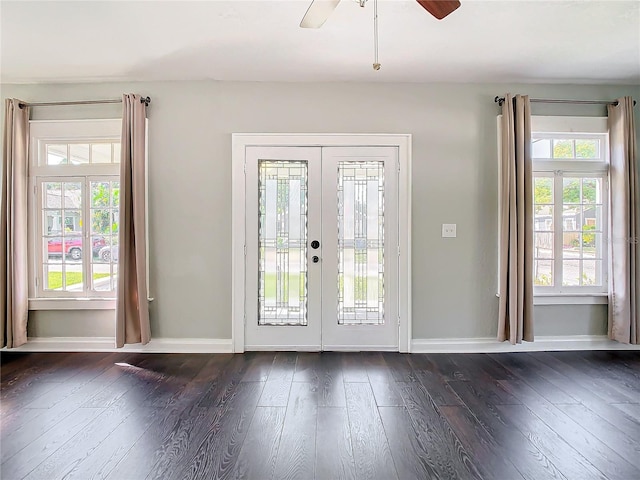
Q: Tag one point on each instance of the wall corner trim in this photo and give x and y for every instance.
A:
(107, 344)
(541, 344)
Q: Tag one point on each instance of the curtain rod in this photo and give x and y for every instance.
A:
(145, 100)
(500, 101)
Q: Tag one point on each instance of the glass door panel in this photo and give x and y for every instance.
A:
(360, 243)
(360, 248)
(282, 217)
(282, 244)
(321, 261)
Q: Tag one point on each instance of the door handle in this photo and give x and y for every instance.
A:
(315, 244)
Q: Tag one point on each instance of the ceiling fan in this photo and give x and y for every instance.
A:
(319, 10)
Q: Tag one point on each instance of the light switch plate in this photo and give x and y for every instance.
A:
(448, 230)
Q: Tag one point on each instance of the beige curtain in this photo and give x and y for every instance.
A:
(14, 306)
(132, 309)
(624, 225)
(515, 313)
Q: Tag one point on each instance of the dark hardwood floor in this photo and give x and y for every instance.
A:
(117, 416)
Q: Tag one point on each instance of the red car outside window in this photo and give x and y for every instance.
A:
(72, 246)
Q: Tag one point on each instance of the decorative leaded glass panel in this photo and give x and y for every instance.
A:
(282, 276)
(361, 243)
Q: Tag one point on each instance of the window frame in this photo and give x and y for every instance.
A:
(66, 131)
(557, 169)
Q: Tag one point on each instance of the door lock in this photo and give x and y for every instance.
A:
(315, 244)
(315, 259)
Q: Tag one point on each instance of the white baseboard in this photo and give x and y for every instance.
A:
(107, 344)
(224, 345)
(541, 344)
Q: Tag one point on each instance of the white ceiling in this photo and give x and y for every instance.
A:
(483, 41)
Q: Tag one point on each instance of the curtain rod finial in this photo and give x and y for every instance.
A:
(499, 100)
(145, 100)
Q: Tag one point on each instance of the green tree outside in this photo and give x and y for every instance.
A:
(580, 149)
(571, 190)
(543, 190)
(104, 202)
(563, 149)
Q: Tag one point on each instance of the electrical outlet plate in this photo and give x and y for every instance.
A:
(448, 230)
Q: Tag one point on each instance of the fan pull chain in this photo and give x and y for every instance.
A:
(376, 63)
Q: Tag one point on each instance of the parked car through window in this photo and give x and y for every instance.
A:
(72, 246)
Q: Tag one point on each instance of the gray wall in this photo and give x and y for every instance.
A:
(71, 323)
(454, 181)
(558, 320)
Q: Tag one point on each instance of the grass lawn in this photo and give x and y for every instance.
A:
(359, 286)
(271, 281)
(55, 279)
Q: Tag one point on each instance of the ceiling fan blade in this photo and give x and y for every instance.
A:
(318, 12)
(439, 8)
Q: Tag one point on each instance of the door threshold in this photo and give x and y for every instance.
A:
(282, 348)
(317, 348)
(360, 348)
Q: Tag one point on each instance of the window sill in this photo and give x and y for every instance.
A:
(72, 304)
(570, 299)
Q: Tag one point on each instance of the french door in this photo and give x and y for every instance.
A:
(321, 265)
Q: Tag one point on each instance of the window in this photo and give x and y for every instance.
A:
(74, 209)
(570, 175)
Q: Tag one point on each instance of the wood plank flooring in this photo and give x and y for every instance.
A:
(118, 416)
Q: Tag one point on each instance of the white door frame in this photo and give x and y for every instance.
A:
(240, 141)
